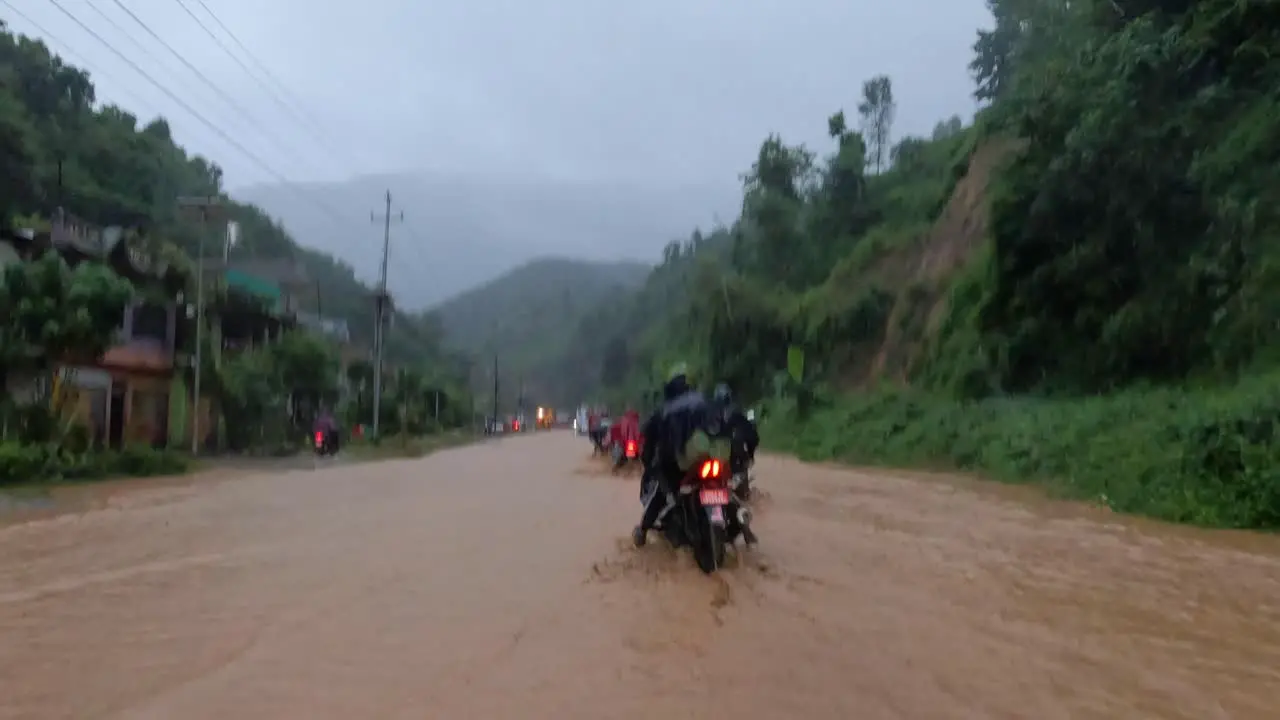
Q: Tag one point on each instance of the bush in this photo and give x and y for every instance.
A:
(31, 463)
(1207, 456)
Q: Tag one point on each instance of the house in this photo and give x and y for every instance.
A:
(125, 397)
(122, 397)
(259, 301)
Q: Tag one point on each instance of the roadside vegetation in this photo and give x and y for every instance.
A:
(1078, 289)
(62, 151)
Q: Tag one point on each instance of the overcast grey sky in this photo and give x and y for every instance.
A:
(656, 91)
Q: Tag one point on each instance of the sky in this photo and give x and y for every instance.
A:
(658, 91)
(656, 95)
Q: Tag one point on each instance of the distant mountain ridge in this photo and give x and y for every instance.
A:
(461, 231)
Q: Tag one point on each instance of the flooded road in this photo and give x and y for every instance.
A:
(497, 581)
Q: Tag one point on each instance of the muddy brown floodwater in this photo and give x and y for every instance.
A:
(497, 581)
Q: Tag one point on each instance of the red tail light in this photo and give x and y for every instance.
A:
(516, 426)
(319, 438)
(710, 469)
(631, 448)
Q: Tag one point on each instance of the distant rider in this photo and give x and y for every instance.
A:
(328, 427)
(683, 411)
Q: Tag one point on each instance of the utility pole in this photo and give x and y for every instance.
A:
(381, 302)
(209, 207)
(495, 388)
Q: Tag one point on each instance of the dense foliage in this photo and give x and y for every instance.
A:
(1079, 288)
(50, 311)
(62, 150)
(60, 147)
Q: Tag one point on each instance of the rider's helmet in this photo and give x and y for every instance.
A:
(679, 371)
(722, 394)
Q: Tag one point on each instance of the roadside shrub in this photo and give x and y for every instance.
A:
(22, 464)
(1205, 456)
(143, 461)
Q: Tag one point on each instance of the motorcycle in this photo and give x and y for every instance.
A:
(624, 453)
(325, 443)
(703, 513)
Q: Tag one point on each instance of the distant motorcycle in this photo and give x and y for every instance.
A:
(325, 443)
(625, 453)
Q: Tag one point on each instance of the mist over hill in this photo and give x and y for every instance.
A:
(460, 231)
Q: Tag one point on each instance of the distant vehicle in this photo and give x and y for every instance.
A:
(546, 418)
(325, 442)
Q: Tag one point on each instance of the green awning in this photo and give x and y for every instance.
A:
(264, 289)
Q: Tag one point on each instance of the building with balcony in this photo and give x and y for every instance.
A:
(122, 397)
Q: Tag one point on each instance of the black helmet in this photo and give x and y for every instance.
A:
(722, 394)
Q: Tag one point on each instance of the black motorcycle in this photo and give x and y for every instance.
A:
(704, 513)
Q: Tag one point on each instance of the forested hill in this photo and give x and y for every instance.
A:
(528, 315)
(1079, 288)
(1106, 221)
(118, 171)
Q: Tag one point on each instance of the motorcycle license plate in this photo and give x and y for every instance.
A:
(714, 496)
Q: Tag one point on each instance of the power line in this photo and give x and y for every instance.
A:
(272, 92)
(233, 143)
(203, 78)
(110, 21)
(284, 90)
(67, 49)
(281, 97)
(193, 112)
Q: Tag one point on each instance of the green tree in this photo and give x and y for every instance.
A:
(877, 111)
(51, 314)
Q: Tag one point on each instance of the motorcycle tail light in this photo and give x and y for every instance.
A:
(631, 449)
(319, 439)
(710, 469)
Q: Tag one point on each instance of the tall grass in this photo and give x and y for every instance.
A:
(1204, 456)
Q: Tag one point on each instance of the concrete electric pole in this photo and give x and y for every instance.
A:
(208, 208)
(381, 303)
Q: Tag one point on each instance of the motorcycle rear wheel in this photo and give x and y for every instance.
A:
(709, 549)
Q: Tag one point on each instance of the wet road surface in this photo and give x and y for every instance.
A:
(497, 581)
